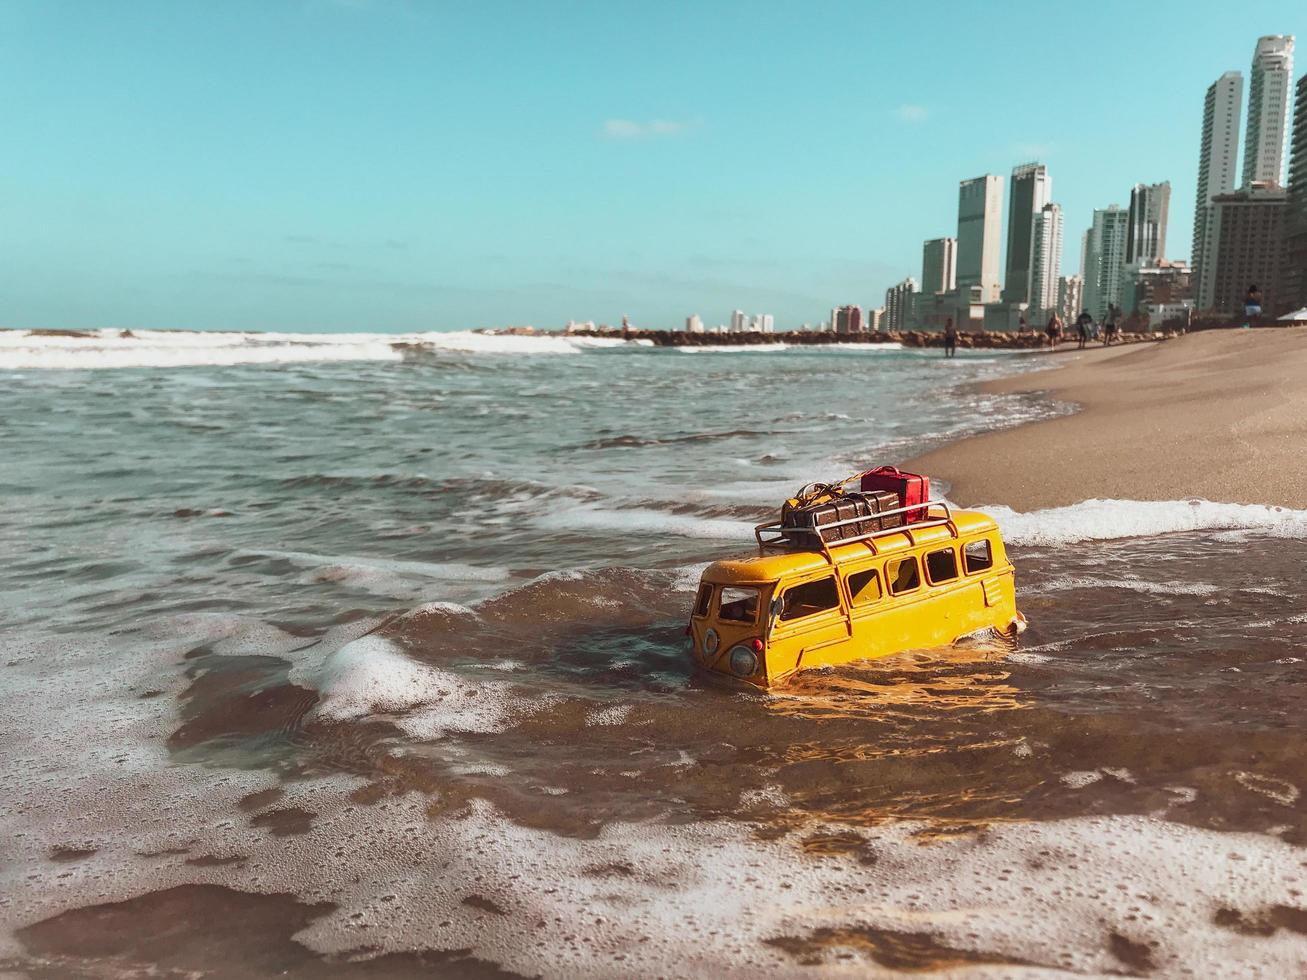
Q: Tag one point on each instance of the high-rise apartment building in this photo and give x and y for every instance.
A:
(1146, 236)
(763, 323)
(694, 323)
(1105, 260)
(1045, 260)
(1248, 247)
(739, 321)
(1031, 188)
(1070, 298)
(875, 319)
(1268, 109)
(1156, 284)
(898, 302)
(847, 319)
(980, 218)
(939, 265)
(1295, 218)
(1216, 162)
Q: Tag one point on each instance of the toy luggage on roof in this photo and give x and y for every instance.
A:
(911, 488)
(804, 523)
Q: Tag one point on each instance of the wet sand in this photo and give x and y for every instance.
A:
(1219, 415)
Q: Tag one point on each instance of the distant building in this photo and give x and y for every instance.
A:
(1249, 246)
(931, 311)
(739, 321)
(693, 323)
(1146, 235)
(1155, 284)
(898, 300)
(1031, 188)
(1045, 261)
(1268, 110)
(573, 326)
(1295, 267)
(939, 265)
(847, 319)
(1216, 168)
(1168, 315)
(1105, 260)
(980, 218)
(1070, 298)
(763, 323)
(876, 319)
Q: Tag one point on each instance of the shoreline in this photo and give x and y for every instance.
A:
(1217, 415)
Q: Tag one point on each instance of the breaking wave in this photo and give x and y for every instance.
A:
(96, 349)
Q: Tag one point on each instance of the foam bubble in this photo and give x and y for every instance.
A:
(373, 676)
(1071, 582)
(642, 521)
(1107, 520)
(95, 349)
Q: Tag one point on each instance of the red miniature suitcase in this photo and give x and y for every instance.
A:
(910, 487)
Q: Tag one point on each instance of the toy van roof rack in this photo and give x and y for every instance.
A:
(778, 542)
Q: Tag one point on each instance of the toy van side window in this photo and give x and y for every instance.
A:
(902, 575)
(704, 600)
(738, 605)
(809, 599)
(864, 587)
(978, 556)
(942, 566)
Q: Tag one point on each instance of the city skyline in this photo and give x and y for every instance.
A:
(350, 165)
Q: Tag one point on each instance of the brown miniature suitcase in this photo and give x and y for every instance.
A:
(809, 526)
(877, 502)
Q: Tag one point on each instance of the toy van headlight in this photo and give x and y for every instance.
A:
(744, 662)
(710, 642)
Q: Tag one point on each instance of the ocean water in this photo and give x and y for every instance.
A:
(338, 656)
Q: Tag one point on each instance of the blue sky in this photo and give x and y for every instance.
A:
(393, 165)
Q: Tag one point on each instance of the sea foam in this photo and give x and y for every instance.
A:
(1107, 520)
(84, 350)
(373, 676)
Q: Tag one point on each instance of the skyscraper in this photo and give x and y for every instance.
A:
(1105, 260)
(1146, 237)
(980, 216)
(1216, 163)
(1248, 247)
(898, 301)
(939, 265)
(1031, 189)
(1295, 252)
(1268, 109)
(1070, 298)
(739, 321)
(1045, 260)
(848, 319)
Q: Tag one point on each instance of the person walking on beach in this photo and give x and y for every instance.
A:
(950, 338)
(1252, 305)
(1053, 331)
(1109, 328)
(1084, 326)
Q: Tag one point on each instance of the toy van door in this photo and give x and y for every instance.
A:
(811, 626)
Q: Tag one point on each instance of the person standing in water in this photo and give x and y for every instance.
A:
(950, 338)
(1053, 331)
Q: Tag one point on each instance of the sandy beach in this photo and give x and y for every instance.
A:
(1219, 415)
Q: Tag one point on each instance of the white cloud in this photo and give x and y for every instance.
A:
(627, 129)
(912, 113)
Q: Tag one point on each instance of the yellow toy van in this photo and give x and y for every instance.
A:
(923, 584)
